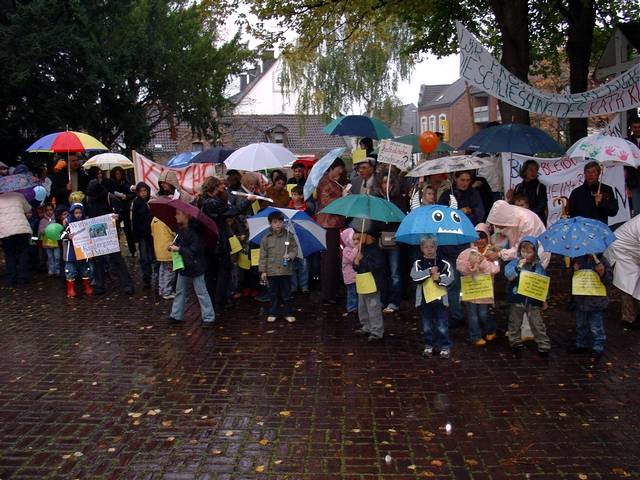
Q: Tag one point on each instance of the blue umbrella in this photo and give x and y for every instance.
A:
(574, 237)
(213, 155)
(318, 170)
(512, 137)
(181, 160)
(310, 236)
(449, 225)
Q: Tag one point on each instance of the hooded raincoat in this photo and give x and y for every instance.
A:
(624, 255)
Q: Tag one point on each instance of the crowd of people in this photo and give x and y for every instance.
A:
(363, 268)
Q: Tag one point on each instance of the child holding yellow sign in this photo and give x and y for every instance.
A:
(477, 287)
(521, 302)
(433, 275)
(591, 281)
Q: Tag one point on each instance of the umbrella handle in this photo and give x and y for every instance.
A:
(595, 259)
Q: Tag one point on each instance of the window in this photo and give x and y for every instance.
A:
(423, 124)
(432, 123)
(442, 120)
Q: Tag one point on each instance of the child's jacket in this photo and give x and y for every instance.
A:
(349, 252)
(587, 303)
(374, 261)
(463, 265)
(272, 249)
(422, 270)
(512, 272)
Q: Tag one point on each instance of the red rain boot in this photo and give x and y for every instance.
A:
(86, 285)
(71, 290)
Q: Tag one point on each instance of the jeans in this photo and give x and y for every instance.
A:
(300, 275)
(516, 317)
(478, 317)
(394, 291)
(352, 297)
(370, 314)
(280, 291)
(53, 261)
(433, 316)
(590, 324)
(330, 272)
(115, 263)
(206, 307)
(72, 269)
(16, 253)
(145, 249)
(453, 295)
(166, 278)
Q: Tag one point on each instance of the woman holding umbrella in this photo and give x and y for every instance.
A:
(15, 232)
(118, 185)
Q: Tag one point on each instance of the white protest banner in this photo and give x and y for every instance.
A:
(561, 176)
(395, 153)
(613, 128)
(480, 69)
(94, 237)
(190, 178)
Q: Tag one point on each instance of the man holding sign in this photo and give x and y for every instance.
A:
(527, 290)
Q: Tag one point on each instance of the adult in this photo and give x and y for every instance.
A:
(15, 233)
(233, 179)
(366, 144)
(468, 198)
(531, 187)
(41, 173)
(593, 199)
(624, 254)
(168, 186)
(632, 174)
(634, 132)
(278, 193)
(4, 169)
(298, 175)
(60, 183)
(328, 190)
(275, 174)
(392, 295)
(118, 185)
(99, 202)
(366, 181)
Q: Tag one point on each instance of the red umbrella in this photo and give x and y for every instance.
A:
(164, 208)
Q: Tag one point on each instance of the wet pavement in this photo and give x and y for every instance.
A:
(106, 388)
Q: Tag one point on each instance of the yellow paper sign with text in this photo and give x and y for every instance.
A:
(358, 155)
(244, 262)
(534, 285)
(255, 206)
(431, 291)
(291, 186)
(476, 287)
(587, 282)
(234, 243)
(255, 257)
(365, 283)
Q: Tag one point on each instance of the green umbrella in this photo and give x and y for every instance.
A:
(365, 206)
(358, 126)
(444, 147)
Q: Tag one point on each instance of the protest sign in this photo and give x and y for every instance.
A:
(431, 291)
(243, 261)
(234, 244)
(365, 283)
(561, 176)
(358, 155)
(94, 237)
(480, 69)
(190, 178)
(587, 282)
(177, 261)
(395, 153)
(476, 287)
(533, 285)
(255, 257)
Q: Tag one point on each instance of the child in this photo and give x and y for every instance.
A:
(590, 308)
(277, 249)
(162, 238)
(471, 262)
(521, 200)
(141, 231)
(433, 315)
(73, 266)
(349, 252)
(50, 246)
(188, 244)
(528, 260)
(428, 195)
(369, 259)
(297, 199)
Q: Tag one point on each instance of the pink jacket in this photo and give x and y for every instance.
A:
(349, 252)
(463, 265)
(518, 222)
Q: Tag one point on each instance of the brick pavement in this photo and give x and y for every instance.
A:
(105, 388)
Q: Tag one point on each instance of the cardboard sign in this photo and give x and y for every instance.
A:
(235, 245)
(431, 291)
(476, 287)
(587, 282)
(255, 257)
(243, 261)
(534, 285)
(358, 155)
(94, 237)
(365, 283)
(178, 262)
(395, 153)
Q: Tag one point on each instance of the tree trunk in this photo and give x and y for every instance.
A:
(581, 17)
(513, 20)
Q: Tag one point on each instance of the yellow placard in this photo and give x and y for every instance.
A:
(235, 245)
(291, 186)
(533, 285)
(358, 155)
(255, 257)
(476, 287)
(587, 282)
(243, 261)
(255, 206)
(365, 283)
(431, 291)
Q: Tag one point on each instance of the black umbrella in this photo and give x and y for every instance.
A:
(514, 138)
(212, 155)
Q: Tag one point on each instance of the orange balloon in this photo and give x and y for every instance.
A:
(428, 141)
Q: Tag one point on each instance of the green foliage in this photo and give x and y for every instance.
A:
(115, 68)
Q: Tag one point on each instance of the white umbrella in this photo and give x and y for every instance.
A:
(606, 149)
(107, 161)
(454, 163)
(259, 156)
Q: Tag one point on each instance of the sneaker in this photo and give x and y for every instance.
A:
(174, 321)
(480, 342)
(169, 296)
(361, 331)
(391, 308)
(490, 337)
(427, 352)
(290, 319)
(271, 319)
(373, 338)
(445, 353)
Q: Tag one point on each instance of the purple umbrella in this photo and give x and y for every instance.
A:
(164, 208)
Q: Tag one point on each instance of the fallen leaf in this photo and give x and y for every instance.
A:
(135, 414)
(514, 385)
(136, 422)
(65, 457)
(204, 417)
(471, 461)
(562, 414)
(86, 415)
(167, 423)
(285, 413)
(188, 410)
(388, 385)
(469, 434)
(391, 430)
(78, 454)
(228, 433)
(260, 469)
(111, 450)
(264, 442)
(170, 439)
(215, 451)
(411, 467)
(621, 471)
(437, 463)
(277, 462)
(152, 412)
(582, 476)
(356, 430)
(428, 474)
